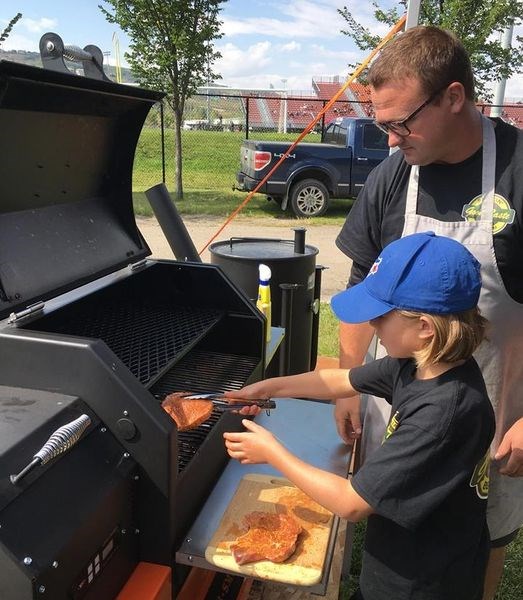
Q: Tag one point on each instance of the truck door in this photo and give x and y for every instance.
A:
(370, 148)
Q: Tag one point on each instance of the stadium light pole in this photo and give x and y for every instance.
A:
(499, 96)
(284, 81)
(413, 8)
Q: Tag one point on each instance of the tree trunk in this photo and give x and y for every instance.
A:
(178, 182)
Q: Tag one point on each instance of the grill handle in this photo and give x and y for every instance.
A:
(53, 53)
(287, 300)
(171, 223)
(299, 240)
(61, 440)
(315, 307)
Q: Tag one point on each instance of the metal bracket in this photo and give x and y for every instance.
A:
(138, 266)
(53, 52)
(30, 310)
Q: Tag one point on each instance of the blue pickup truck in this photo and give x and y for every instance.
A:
(315, 172)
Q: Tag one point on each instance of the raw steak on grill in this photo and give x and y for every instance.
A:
(270, 536)
(187, 413)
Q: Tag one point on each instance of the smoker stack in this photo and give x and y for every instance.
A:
(90, 326)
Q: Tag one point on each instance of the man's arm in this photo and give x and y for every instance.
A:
(354, 342)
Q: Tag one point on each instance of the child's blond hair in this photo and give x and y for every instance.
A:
(456, 336)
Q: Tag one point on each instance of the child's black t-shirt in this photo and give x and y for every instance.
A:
(427, 483)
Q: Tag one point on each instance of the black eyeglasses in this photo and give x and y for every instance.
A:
(400, 127)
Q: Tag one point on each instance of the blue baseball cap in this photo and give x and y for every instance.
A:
(423, 272)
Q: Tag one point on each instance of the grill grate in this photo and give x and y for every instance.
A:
(189, 442)
(206, 372)
(200, 373)
(145, 336)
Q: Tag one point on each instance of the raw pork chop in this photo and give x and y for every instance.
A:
(187, 413)
(270, 536)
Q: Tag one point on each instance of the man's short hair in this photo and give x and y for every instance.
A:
(433, 56)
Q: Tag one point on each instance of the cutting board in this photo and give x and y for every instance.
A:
(274, 494)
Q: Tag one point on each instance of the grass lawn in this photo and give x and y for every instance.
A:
(210, 162)
(210, 158)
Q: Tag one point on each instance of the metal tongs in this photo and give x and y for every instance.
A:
(218, 400)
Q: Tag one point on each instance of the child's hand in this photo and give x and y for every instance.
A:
(250, 447)
(249, 392)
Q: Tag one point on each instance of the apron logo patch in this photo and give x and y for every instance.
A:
(480, 478)
(392, 426)
(503, 214)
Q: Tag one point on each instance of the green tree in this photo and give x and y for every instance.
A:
(478, 24)
(171, 50)
(5, 33)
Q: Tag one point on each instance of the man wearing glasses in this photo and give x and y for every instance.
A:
(459, 174)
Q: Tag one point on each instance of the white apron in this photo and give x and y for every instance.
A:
(500, 358)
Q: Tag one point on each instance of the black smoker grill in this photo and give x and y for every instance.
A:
(89, 326)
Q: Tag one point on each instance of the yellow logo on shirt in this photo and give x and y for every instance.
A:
(503, 214)
(392, 426)
(480, 478)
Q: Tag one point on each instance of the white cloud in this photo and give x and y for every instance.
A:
(302, 19)
(290, 47)
(514, 89)
(345, 56)
(236, 62)
(15, 41)
(34, 29)
(42, 25)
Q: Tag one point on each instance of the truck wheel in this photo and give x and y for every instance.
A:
(309, 198)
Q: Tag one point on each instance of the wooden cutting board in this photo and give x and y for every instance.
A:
(274, 494)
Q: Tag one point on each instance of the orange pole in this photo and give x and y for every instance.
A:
(397, 27)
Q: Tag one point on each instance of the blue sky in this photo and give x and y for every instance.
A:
(266, 42)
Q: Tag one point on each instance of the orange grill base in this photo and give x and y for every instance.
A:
(147, 582)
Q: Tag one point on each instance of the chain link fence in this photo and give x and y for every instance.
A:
(215, 125)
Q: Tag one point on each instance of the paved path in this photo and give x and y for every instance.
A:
(201, 229)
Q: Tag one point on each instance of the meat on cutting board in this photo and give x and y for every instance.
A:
(187, 413)
(270, 536)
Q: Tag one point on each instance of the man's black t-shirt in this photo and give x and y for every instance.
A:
(427, 483)
(447, 192)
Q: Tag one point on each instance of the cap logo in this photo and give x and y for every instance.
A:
(375, 266)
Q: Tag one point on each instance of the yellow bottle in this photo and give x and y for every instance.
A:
(264, 296)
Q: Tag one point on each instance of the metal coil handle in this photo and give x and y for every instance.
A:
(60, 441)
(73, 53)
(63, 438)
(54, 52)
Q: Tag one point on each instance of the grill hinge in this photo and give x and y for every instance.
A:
(139, 265)
(30, 310)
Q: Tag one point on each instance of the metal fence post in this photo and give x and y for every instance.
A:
(162, 135)
(247, 118)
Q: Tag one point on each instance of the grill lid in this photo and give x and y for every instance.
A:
(67, 148)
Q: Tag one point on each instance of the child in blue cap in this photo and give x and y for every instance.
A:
(424, 491)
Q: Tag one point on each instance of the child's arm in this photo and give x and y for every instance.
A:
(258, 445)
(325, 384)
